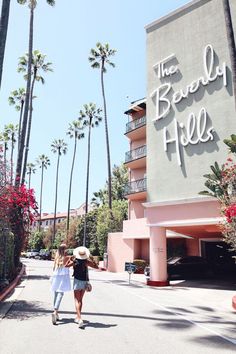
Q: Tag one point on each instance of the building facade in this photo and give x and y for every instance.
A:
(175, 134)
(47, 219)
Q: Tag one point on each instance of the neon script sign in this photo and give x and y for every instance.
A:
(197, 128)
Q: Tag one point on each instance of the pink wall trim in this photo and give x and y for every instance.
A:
(119, 252)
(209, 209)
(135, 228)
(138, 173)
(136, 210)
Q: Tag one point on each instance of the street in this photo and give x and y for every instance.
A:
(120, 317)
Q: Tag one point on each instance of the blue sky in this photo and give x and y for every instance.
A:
(66, 33)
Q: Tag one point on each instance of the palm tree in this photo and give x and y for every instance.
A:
(99, 197)
(59, 147)
(17, 99)
(231, 143)
(30, 169)
(11, 131)
(43, 162)
(38, 65)
(98, 58)
(213, 183)
(73, 132)
(3, 32)
(32, 5)
(231, 42)
(90, 116)
(4, 138)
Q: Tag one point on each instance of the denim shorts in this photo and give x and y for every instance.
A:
(79, 284)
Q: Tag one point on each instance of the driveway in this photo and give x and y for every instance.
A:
(121, 317)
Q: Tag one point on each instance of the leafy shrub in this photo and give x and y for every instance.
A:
(140, 265)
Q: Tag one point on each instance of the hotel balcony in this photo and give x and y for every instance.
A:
(136, 129)
(136, 189)
(136, 158)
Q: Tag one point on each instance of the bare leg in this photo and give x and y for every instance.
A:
(78, 296)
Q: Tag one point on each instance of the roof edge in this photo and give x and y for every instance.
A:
(178, 12)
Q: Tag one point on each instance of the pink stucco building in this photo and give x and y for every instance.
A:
(175, 134)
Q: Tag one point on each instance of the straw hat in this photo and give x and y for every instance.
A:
(81, 252)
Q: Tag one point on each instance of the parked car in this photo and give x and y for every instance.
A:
(188, 267)
(44, 254)
(32, 253)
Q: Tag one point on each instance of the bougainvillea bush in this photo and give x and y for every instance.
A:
(228, 203)
(221, 184)
(18, 209)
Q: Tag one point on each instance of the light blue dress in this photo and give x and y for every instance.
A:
(60, 281)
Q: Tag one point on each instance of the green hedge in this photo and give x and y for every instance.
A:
(7, 255)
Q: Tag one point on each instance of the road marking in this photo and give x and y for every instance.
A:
(233, 341)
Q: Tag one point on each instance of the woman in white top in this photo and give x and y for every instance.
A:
(60, 279)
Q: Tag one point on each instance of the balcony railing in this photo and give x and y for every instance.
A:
(136, 153)
(134, 124)
(136, 186)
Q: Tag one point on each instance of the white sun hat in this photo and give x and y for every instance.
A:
(81, 252)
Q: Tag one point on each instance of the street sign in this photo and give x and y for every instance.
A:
(130, 267)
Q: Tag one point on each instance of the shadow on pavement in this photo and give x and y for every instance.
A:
(99, 325)
(217, 284)
(215, 342)
(38, 277)
(23, 310)
(178, 320)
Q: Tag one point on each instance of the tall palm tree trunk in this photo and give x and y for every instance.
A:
(107, 138)
(26, 105)
(5, 163)
(40, 202)
(29, 199)
(29, 181)
(3, 32)
(231, 43)
(20, 123)
(28, 130)
(55, 207)
(11, 158)
(70, 186)
(87, 185)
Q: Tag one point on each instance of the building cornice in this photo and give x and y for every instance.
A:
(179, 201)
(176, 13)
(187, 222)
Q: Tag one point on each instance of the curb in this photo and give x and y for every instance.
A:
(13, 284)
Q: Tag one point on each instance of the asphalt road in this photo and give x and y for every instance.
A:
(121, 317)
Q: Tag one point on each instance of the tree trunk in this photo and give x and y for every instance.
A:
(107, 139)
(3, 32)
(26, 108)
(5, 162)
(87, 184)
(55, 208)
(20, 122)
(28, 129)
(231, 43)
(11, 159)
(70, 186)
(41, 194)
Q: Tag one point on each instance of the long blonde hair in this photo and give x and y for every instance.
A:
(60, 256)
